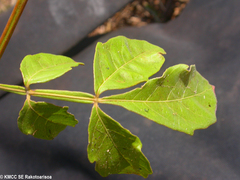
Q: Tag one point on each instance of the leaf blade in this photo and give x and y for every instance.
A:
(43, 67)
(44, 120)
(121, 63)
(115, 149)
(181, 99)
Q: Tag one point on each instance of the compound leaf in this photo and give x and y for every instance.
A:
(115, 149)
(181, 99)
(43, 120)
(121, 63)
(43, 67)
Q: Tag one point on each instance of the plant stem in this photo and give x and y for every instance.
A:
(11, 24)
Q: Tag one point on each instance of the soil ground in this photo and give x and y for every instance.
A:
(142, 12)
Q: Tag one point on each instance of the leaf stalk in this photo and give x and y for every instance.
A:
(13, 89)
(72, 96)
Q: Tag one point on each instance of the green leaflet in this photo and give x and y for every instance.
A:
(115, 149)
(43, 67)
(181, 99)
(43, 120)
(121, 63)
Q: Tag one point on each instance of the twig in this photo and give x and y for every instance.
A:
(11, 24)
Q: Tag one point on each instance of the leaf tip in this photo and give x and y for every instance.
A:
(213, 87)
(163, 52)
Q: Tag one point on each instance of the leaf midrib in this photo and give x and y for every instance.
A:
(39, 115)
(145, 52)
(44, 69)
(106, 130)
(108, 99)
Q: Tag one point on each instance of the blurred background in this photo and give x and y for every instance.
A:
(137, 13)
